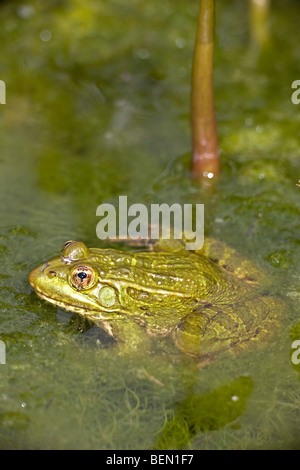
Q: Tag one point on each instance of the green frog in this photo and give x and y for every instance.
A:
(208, 301)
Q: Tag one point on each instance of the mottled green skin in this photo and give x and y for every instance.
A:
(209, 301)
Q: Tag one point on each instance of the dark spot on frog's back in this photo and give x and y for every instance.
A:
(145, 311)
(227, 268)
(250, 279)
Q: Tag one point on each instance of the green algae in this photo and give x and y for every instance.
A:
(101, 110)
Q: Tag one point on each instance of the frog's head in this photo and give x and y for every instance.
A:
(72, 282)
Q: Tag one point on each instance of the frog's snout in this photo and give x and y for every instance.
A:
(41, 278)
(38, 274)
(34, 275)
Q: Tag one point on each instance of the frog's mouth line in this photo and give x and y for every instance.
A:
(66, 306)
(93, 313)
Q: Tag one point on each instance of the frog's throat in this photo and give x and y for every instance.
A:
(70, 307)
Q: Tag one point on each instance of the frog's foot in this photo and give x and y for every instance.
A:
(211, 330)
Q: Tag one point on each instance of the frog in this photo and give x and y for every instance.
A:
(206, 301)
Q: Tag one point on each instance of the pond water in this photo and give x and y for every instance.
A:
(97, 106)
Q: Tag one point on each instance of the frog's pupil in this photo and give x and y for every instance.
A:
(82, 275)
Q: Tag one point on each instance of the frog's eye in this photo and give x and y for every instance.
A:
(83, 277)
(74, 251)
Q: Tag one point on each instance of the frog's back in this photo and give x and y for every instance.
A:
(192, 275)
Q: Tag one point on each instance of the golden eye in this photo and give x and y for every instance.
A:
(83, 277)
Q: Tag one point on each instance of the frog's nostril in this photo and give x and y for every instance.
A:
(52, 273)
(46, 266)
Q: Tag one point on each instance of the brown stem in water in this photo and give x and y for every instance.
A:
(204, 129)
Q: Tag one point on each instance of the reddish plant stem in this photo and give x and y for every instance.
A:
(205, 163)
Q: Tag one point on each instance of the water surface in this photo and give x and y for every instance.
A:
(97, 107)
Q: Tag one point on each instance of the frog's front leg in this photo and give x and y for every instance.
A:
(130, 336)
